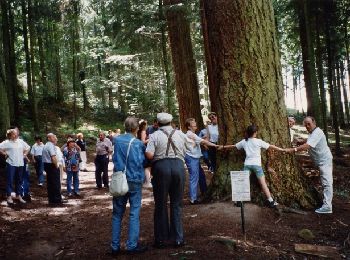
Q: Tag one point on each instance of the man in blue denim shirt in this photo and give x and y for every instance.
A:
(135, 177)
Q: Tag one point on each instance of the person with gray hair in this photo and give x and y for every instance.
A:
(129, 156)
(319, 151)
(167, 148)
(103, 150)
(49, 157)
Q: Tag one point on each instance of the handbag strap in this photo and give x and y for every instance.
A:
(127, 153)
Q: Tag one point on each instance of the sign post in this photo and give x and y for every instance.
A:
(240, 185)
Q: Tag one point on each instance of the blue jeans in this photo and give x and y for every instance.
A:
(119, 203)
(196, 176)
(25, 179)
(13, 173)
(39, 168)
(75, 176)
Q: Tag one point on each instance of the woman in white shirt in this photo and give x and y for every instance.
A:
(252, 163)
(14, 150)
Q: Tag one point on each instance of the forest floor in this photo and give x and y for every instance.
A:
(81, 229)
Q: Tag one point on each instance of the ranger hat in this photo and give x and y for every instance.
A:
(164, 118)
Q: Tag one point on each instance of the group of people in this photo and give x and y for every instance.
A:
(154, 156)
(45, 157)
(169, 150)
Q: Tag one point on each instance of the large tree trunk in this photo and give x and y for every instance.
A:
(320, 74)
(57, 64)
(6, 43)
(248, 84)
(4, 108)
(187, 88)
(31, 90)
(210, 73)
(313, 100)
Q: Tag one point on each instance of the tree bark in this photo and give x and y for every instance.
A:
(248, 82)
(187, 88)
(57, 64)
(6, 43)
(4, 108)
(211, 85)
(313, 100)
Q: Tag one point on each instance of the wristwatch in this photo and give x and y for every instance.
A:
(295, 149)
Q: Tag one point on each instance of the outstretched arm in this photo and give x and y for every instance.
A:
(274, 147)
(303, 147)
(229, 146)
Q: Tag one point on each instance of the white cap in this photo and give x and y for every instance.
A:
(164, 118)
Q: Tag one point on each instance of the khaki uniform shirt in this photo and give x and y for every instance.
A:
(158, 142)
(103, 147)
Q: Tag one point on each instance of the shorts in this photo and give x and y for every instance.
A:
(258, 170)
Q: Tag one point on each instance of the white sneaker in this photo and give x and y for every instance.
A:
(324, 210)
(21, 200)
(9, 200)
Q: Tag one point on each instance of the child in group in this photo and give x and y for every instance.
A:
(252, 163)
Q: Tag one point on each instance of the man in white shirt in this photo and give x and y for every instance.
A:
(51, 167)
(37, 152)
(321, 154)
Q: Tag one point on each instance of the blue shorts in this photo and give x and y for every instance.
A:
(258, 170)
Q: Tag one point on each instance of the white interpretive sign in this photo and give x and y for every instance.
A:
(240, 185)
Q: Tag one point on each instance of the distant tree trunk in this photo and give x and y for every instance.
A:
(319, 64)
(83, 86)
(345, 93)
(42, 64)
(187, 88)
(295, 85)
(169, 91)
(31, 89)
(75, 47)
(339, 101)
(210, 74)
(313, 100)
(247, 74)
(10, 85)
(330, 10)
(4, 108)
(347, 50)
(57, 64)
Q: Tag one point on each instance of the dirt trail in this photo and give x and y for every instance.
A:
(81, 229)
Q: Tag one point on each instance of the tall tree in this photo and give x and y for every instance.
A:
(31, 88)
(4, 108)
(248, 84)
(183, 62)
(330, 8)
(313, 100)
(10, 81)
